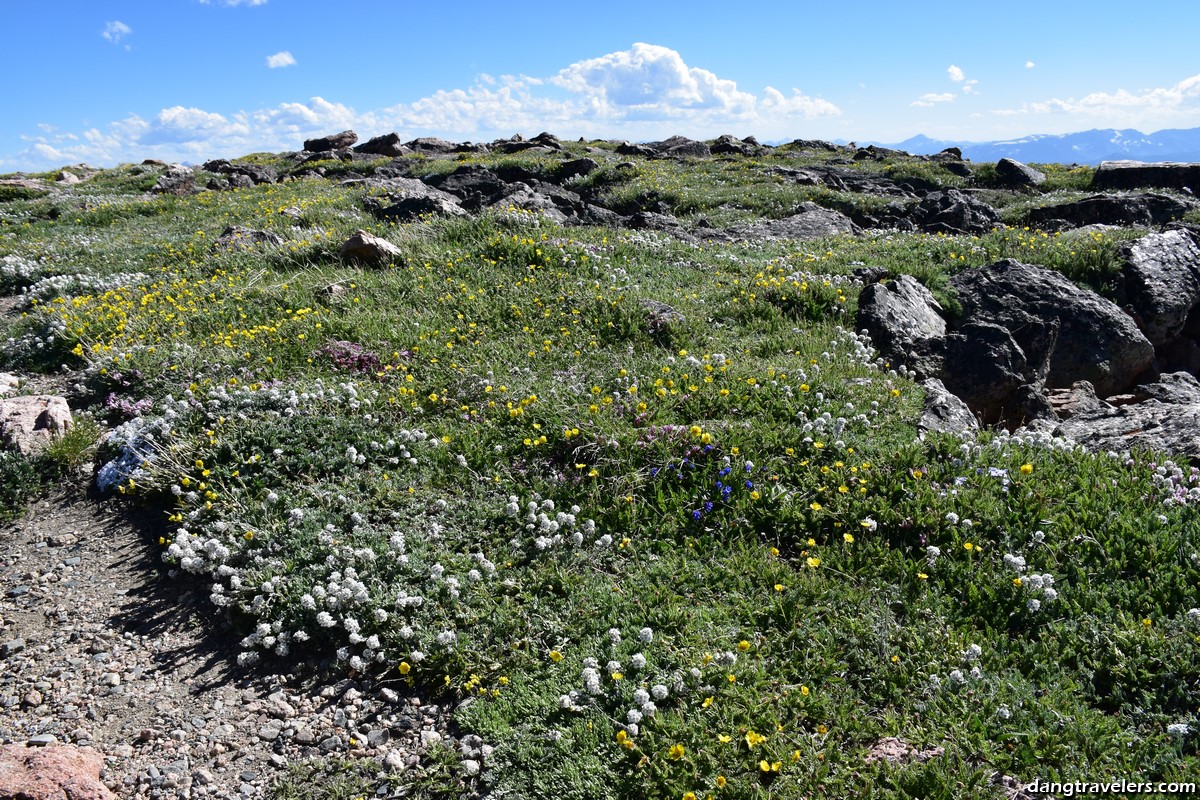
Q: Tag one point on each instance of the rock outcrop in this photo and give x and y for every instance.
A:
(1147, 209)
(1112, 175)
(29, 423)
(334, 141)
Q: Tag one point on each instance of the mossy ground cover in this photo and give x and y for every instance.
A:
(672, 553)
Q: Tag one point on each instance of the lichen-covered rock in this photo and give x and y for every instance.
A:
(1105, 209)
(1161, 281)
(1168, 421)
(945, 412)
(1015, 175)
(237, 237)
(810, 222)
(53, 772)
(1141, 175)
(904, 321)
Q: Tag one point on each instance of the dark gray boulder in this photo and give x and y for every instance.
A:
(431, 145)
(1140, 175)
(1161, 282)
(468, 181)
(631, 149)
(1146, 209)
(576, 167)
(334, 141)
(519, 196)
(177, 180)
(1015, 175)
(944, 412)
(386, 145)
(953, 211)
(406, 199)
(985, 367)
(726, 144)
(1094, 341)
(413, 208)
(680, 147)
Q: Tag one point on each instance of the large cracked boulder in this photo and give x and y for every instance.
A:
(1095, 340)
(1161, 282)
(54, 772)
(985, 367)
(29, 423)
(1141, 175)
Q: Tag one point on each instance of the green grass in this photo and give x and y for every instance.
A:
(497, 424)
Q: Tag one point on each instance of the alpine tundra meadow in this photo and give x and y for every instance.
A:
(643, 509)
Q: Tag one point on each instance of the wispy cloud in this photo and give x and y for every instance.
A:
(115, 31)
(1177, 105)
(932, 99)
(645, 92)
(956, 74)
(281, 59)
(1029, 65)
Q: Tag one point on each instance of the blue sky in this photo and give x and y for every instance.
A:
(110, 81)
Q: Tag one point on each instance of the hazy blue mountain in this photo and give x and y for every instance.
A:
(1086, 147)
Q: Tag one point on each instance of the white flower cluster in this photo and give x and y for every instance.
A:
(17, 272)
(552, 529)
(1042, 585)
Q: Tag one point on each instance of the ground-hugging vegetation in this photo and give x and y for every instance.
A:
(664, 553)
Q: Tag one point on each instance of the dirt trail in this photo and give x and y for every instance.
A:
(100, 647)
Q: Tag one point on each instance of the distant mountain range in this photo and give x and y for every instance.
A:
(1086, 147)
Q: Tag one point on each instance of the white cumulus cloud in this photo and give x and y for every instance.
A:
(115, 31)
(643, 93)
(955, 73)
(281, 59)
(1029, 65)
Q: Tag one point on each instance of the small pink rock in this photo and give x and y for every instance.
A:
(28, 423)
